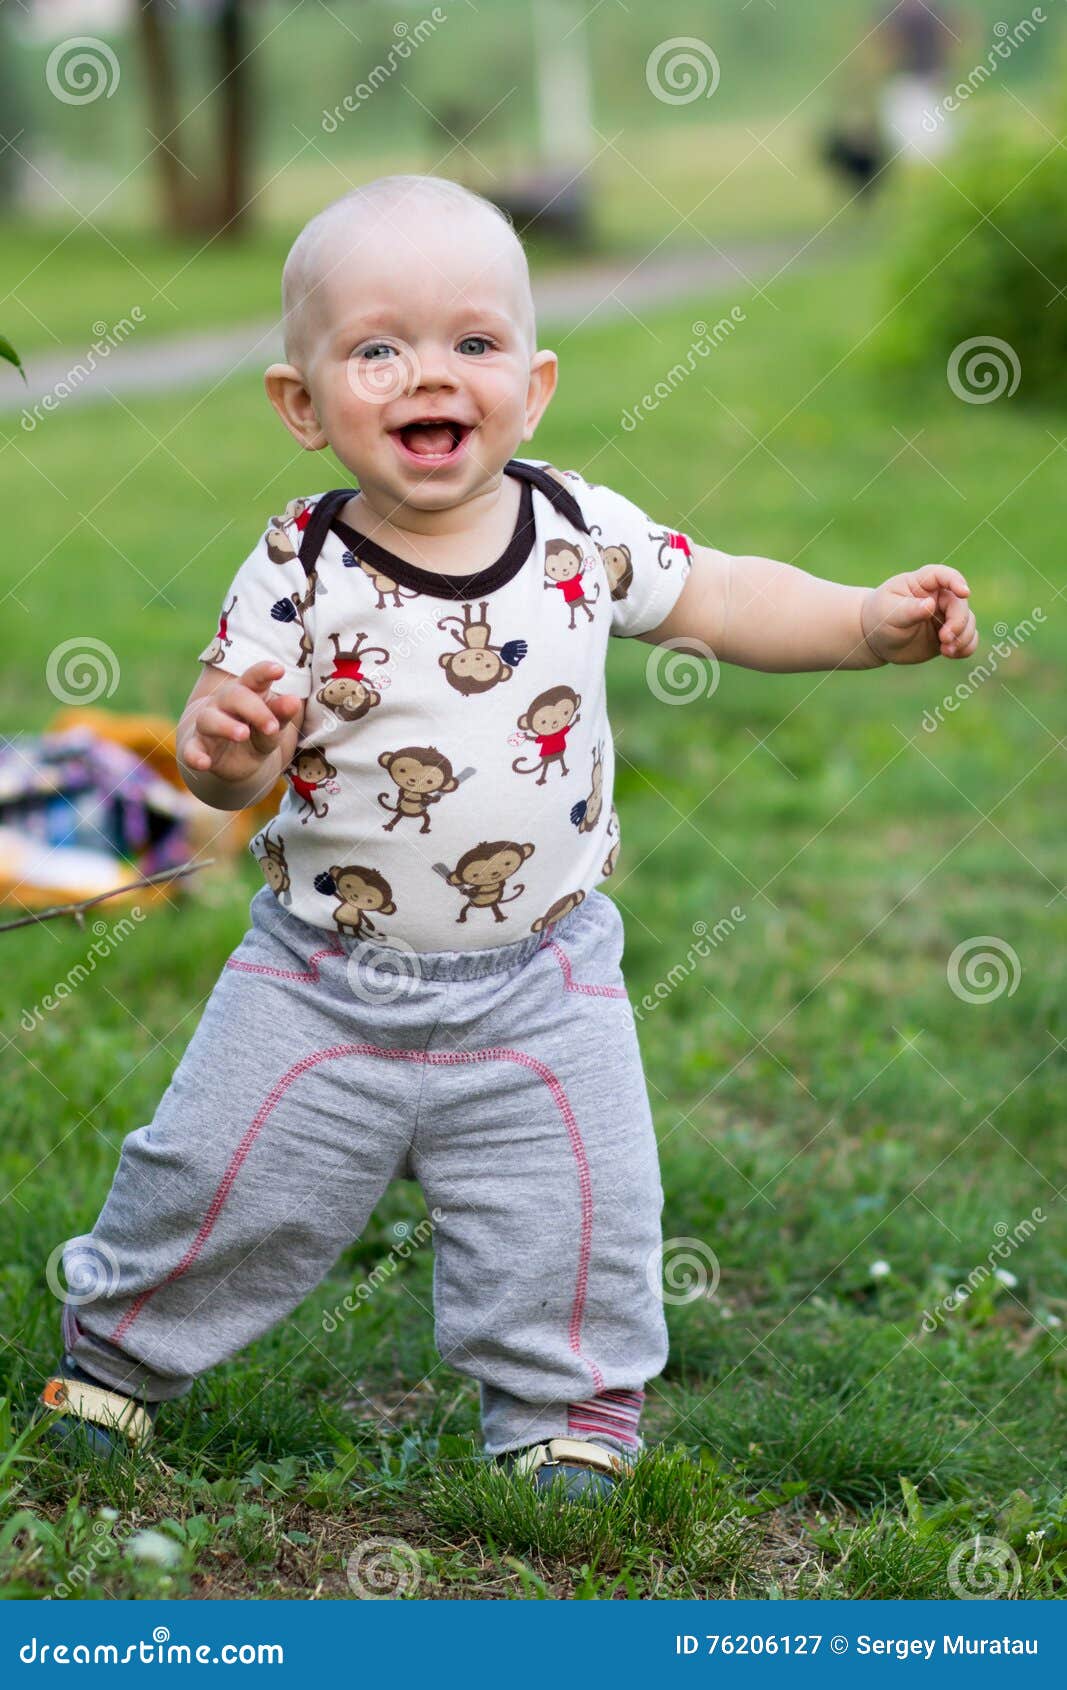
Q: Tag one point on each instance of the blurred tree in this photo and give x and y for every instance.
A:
(222, 207)
(13, 114)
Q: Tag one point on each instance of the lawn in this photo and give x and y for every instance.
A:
(849, 1118)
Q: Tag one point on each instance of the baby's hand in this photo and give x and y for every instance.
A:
(233, 729)
(919, 615)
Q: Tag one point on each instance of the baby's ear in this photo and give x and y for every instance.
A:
(288, 393)
(544, 370)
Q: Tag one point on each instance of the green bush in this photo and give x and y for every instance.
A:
(982, 251)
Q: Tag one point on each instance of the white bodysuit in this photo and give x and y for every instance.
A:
(451, 788)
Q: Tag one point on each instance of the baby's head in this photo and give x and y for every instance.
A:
(405, 301)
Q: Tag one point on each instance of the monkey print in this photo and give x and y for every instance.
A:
(347, 691)
(557, 911)
(612, 857)
(482, 873)
(422, 775)
(384, 585)
(358, 890)
(671, 542)
(478, 665)
(564, 564)
(309, 770)
(586, 813)
(548, 721)
(274, 867)
(222, 639)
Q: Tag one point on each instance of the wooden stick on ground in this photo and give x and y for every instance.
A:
(76, 910)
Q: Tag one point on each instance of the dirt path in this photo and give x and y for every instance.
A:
(595, 293)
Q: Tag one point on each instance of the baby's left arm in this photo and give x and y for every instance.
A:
(776, 617)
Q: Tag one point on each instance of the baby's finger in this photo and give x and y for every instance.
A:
(259, 676)
(213, 723)
(285, 705)
(937, 575)
(247, 706)
(195, 753)
(956, 636)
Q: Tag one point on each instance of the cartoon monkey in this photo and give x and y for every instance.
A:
(549, 720)
(297, 514)
(478, 665)
(564, 564)
(557, 911)
(348, 691)
(384, 585)
(309, 770)
(423, 775)
(294, 609)
(274, 867)
(222, 639)
(613, 855)
(482, 873)
(586, 813)
(669, 542)
(357, 890)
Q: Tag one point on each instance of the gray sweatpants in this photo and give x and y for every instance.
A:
(507, 1081)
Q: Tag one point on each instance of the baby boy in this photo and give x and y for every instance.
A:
(430, 987)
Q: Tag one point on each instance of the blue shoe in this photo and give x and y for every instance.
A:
(571, 1467)
(91, 1419)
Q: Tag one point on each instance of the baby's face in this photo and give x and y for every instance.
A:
(420, 362)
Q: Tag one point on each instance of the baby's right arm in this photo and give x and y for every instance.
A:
(235, 737)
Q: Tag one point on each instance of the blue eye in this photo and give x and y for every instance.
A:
(371, 352)
(478, 340)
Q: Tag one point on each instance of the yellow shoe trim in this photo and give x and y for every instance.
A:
(103, 1407)
(573, 1450)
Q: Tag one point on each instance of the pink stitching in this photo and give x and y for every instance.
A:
(311, 974)
(572, 985)
(436, 1059)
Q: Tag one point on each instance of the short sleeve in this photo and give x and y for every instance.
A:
(647, 562)
(266, 609)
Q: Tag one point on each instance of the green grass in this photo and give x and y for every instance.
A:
(824, 1101)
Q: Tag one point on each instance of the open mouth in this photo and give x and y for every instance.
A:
(434, 441)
